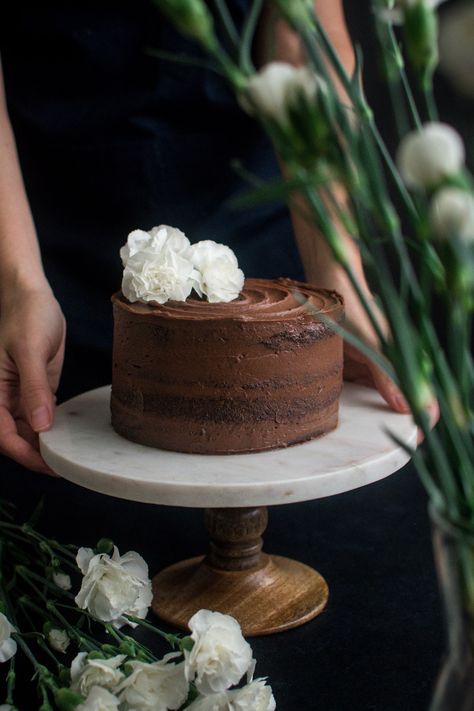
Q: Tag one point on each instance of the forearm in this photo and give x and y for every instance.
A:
(20, 259)
(278, 42)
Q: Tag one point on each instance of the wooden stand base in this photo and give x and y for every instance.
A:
(266, 594)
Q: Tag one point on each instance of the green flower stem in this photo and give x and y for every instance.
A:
(117, 634)
(26, 534)
(317, 206)
(392, 57)
(173, 639)
(431, 108)
(65, 550)
(460, 352)
(245, 53)
(29, 576)
(354, 91)
(184, 59)
(415, 115)
(121, 637)
(365, 349)
(11, 681)
(49, 652)
(84, 640)
(344, 217)
(227, 22)
(45, 678)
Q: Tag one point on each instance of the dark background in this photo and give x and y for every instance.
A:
(379, 643)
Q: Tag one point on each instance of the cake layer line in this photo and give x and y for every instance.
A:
(231, 410)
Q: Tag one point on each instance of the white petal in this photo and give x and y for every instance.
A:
(7, 649)
(83, 558)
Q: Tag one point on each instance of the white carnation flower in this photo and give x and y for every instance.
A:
(157, 266)
(87, 673)
(213, 702)
(456, 47)
(219, 276)
(62, 580)
(153, 241)
(99, 699)
(428, 155)
(395, 10)
(58, 640)
(256, 696)
(452, 214)
(114, 586)
(220, 655)
(8, 645)
(273, 89)
(154, 687)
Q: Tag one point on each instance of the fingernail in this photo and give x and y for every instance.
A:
(40, 419)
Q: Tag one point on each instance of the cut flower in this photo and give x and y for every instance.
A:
(87, 673)
(113, 586)
(99, 699)
(429, 155)
(220, 278)
(159, 686)
(256, 696)
(276, 87)
(157, 266)
(220, 655)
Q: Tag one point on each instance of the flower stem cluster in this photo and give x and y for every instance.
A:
(83, 661)
(320, 123)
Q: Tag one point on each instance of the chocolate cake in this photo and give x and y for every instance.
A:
(260, 372)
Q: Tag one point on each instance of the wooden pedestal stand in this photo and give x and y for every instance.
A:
(266, 593)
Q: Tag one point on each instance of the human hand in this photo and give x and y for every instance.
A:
(32, 335)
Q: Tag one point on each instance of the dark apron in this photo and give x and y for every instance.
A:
(111, 139)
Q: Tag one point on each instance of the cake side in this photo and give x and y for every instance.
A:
(258, 373)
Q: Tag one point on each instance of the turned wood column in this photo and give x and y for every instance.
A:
(236, 537)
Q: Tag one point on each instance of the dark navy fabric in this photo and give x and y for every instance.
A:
(111, 138)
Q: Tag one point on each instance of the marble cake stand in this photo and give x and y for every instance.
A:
(266, 593)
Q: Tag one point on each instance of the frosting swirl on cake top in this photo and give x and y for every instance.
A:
(259, 300)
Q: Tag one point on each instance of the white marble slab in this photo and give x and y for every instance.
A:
(83, 447)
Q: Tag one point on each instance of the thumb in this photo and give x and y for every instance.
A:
(388, 390)
(36, 395)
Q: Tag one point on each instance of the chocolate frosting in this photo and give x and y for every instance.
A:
(257, 373)
(259, 300)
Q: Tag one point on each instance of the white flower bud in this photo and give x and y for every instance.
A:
(456, 47)
(62, 580)
(58, 640)
(276, 86)
(452, 214)
(430, 154)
